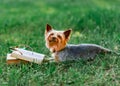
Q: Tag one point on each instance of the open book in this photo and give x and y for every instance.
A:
(25, 55)
(13, 60)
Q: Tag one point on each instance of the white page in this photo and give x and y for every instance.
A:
(28, 55)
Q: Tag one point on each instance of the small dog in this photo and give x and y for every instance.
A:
(56, 41)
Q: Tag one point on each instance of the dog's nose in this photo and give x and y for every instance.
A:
(53, 38)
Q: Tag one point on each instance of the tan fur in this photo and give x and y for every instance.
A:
(60, 38)
(56, 57)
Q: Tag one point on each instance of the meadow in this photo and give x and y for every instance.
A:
(23, 22)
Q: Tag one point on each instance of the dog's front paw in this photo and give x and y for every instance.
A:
(56, 57)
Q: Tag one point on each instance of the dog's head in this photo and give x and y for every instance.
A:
(56, 40)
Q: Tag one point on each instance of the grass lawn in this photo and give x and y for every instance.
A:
(22, 22)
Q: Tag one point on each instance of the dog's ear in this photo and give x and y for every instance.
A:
(67, 33)
(48, 28)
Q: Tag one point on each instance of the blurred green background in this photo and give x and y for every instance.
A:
(23, 22)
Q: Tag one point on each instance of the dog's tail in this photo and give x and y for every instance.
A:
(108, 51)
(115, 53)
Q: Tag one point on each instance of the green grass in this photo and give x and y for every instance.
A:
(22, 22)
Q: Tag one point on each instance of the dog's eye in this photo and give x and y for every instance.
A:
(51, 34)
(59, 36)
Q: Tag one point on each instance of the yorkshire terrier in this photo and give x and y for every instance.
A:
(56, 42)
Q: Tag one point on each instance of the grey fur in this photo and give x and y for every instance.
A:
(85, 51)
